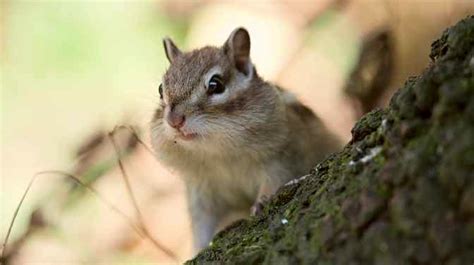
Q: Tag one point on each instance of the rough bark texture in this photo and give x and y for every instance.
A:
(401, 192)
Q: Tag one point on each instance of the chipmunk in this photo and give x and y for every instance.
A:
(233, 137)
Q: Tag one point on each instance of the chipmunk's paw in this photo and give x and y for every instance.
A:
(257, 207)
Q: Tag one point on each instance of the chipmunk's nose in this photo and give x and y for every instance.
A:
(175, 120)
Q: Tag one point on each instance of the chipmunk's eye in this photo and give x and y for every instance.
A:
(215, 86)
(160, 90)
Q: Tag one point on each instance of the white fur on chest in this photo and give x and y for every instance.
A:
(229, 178)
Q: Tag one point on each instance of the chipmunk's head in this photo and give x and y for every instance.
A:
(210, 95)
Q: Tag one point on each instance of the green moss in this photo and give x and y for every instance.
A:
(401, 192)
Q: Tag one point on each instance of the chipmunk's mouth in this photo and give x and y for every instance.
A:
(186, 136)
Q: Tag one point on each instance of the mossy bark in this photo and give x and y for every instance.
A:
(401, 192)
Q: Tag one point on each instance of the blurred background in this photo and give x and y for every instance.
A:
(73, 70)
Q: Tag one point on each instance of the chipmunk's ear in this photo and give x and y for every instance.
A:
(237, 47)
(171, 49)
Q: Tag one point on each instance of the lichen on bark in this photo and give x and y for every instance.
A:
(401, 191)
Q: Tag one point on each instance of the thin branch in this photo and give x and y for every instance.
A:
(130, 222)
(140, 229)
(135, 134)
(126, 179)
(15, 214)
